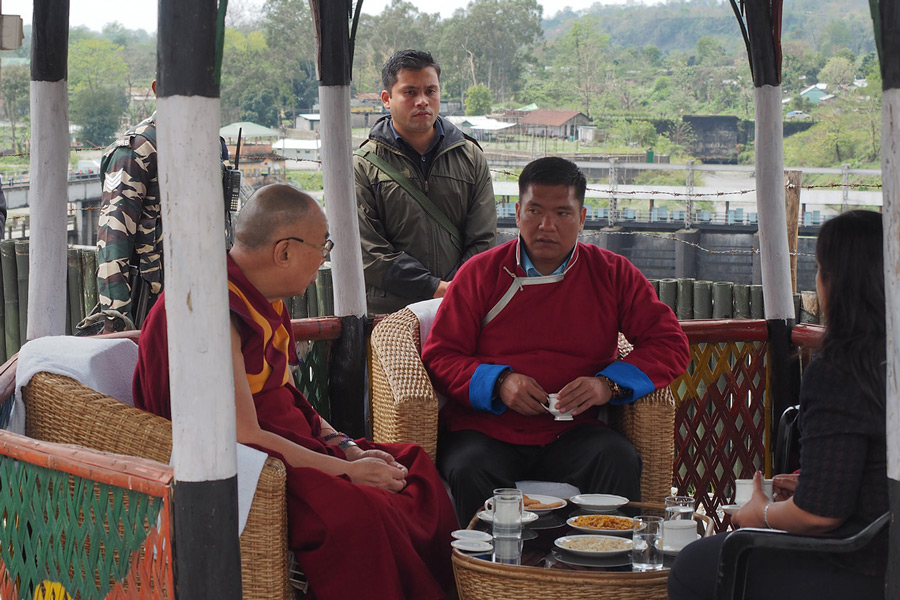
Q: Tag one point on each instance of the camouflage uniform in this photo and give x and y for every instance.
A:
(130, 228)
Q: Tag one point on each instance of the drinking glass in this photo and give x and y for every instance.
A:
(679, 508)
(508, 551)
(507, 507)
(647, 544)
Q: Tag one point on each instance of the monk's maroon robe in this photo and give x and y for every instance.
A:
(352, 541)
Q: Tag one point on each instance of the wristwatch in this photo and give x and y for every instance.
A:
(614, 387)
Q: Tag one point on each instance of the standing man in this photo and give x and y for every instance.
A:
(129, 239)
(423, 191)
(537, 316)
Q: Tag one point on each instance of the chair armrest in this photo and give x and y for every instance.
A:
(649, 423)
(62, 410)
(264, 541)
(404, 405)
(737, 547)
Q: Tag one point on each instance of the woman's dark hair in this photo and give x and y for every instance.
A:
(850, 256)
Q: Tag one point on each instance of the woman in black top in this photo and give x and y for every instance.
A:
(842, 485)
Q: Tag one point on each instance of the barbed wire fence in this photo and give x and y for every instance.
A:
(19, 223)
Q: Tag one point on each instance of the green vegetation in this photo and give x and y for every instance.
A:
(306, 180)
(634, 69)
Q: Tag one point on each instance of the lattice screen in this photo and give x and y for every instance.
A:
(720, 421)
(66, 537)
(311, 377)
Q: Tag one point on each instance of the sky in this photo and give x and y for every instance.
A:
(141, 14)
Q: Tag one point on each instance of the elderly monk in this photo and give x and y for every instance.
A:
(363, 518)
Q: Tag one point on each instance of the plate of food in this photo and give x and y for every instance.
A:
(618, 560)
(540, 504)
(593, 545)
(606, 524)
(599, 503)
(527, 516)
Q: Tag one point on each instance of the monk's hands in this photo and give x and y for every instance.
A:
(355, 453)
(523, 394)
(368, 470)
(579, 395)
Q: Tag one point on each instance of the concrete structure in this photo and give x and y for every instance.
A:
(297, 149)
(308, 121)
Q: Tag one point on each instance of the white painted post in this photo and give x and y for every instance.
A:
(340, 201)
(347, 385)
(201, 378)
(49, 171)
(689, 184)
(890, 168)
(773, 243)
(613, 186)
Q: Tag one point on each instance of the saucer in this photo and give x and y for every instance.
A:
(731, 509)
(670, 551)
(598, 502)
(488, 517)
(472, 535)
(472, 545)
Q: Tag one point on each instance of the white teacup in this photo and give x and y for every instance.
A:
(554, 410)
(743, 490)
(678, 533)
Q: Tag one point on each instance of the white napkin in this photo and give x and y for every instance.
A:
(107, 366)
(104, 365)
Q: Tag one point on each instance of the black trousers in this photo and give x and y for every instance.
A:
(594, 459)
(771, 575)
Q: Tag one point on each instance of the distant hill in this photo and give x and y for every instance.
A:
(825, 24)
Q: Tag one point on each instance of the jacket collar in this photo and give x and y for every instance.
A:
(520, 252)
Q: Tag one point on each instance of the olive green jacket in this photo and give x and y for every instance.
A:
(405, 252)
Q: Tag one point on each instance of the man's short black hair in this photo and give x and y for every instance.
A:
(553, 170)
(413, 60)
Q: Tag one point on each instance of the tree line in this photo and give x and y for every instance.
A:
(621, 65)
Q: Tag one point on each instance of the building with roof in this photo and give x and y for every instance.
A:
(480, 128)
(553, 123)
(816, 93)
(297, 149)
(308, 122)
(247, 130)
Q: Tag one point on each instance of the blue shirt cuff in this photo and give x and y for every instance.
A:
(634, 382)
(481, 389)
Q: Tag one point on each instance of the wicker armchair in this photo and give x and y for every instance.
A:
(62, 410)
(405, 407)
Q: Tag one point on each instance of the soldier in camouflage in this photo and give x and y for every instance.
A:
(129, 240)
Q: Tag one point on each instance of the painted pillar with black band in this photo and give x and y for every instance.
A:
(886, 17)
(347, 368)
(49, 169)
(762, 35)
(206, 543)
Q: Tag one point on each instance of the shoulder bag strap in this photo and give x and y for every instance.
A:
(427, 205)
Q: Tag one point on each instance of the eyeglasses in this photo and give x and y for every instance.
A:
(325, 250)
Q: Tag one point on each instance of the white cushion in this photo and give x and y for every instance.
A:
(425, 312)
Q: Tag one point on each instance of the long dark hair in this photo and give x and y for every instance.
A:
(851, 266)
